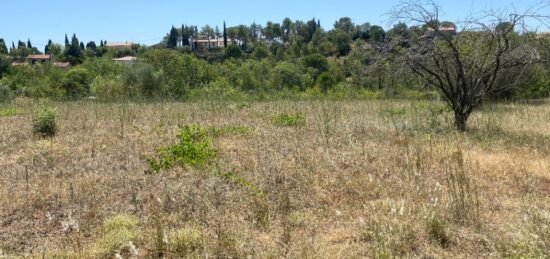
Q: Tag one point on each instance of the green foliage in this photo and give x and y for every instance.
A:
(233, 51)
(286, 75)
(9, 112)
(241, 181)
(326, 81)
(193, 149)
(260, 52)
(77, 82)
(288, 119)
(4, 64)
(142, 78)
(43, 122)
(6, 94)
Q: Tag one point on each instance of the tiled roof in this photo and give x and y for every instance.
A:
(119, 44)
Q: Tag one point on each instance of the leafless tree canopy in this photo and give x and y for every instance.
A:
(465, 65)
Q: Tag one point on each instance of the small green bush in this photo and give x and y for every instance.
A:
(193, 149)
(288, 119)
(43, 122)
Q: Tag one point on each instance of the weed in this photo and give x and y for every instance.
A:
(229, 130)
(462, 191)
(193, 149)
(288, 119)
(185, 241)
(9, 112)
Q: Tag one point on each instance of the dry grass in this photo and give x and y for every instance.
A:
(357, 179)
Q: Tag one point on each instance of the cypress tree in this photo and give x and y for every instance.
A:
(29, 45)
(172, 38)
(82, 45)
(66, 41)
(224, 35)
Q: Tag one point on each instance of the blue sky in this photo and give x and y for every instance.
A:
(147, 21)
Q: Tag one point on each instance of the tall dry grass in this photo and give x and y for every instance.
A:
(354, 179)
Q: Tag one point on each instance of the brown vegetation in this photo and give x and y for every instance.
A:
(355, 179)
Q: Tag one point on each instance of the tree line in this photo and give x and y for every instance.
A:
(462, 64)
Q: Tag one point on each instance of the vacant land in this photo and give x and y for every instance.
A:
(309, 179)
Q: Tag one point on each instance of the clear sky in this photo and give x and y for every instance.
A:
(147, 21)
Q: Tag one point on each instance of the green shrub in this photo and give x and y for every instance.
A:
(193, 149)
(288, 119)
(6, 94)
(43, 122)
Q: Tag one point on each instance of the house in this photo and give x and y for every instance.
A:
(125, 60)
(203, 43)
(119, 45)
(63, 65)
(34, 59)
(430, 32)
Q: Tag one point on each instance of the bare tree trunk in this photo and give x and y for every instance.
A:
(460, 121)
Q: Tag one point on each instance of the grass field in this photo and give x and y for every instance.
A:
(308, 179)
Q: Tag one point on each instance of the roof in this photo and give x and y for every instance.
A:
(47, 56)
(443, 29)
(207, 40)
(119, 44)
(127, 58)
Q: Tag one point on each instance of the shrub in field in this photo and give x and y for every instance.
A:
(118, 234)
(43, 122)
(288, 119)
(193, 149)
(185, 241)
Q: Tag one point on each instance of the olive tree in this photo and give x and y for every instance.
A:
(465, 65)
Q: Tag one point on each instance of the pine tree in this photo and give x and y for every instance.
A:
(82, 46)
(224, 35)
(67, 41)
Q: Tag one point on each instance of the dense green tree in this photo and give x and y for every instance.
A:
(345, 24)
(3, 48)
(29, 45)
(233, 51)
(172, 41)
(377, 33)
(341, 40)
(74, 53)
(224, 35)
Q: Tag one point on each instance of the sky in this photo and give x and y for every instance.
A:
(147, 21)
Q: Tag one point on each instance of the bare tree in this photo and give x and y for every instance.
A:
(464, 66)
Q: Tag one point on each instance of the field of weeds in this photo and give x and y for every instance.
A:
(308, 179)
